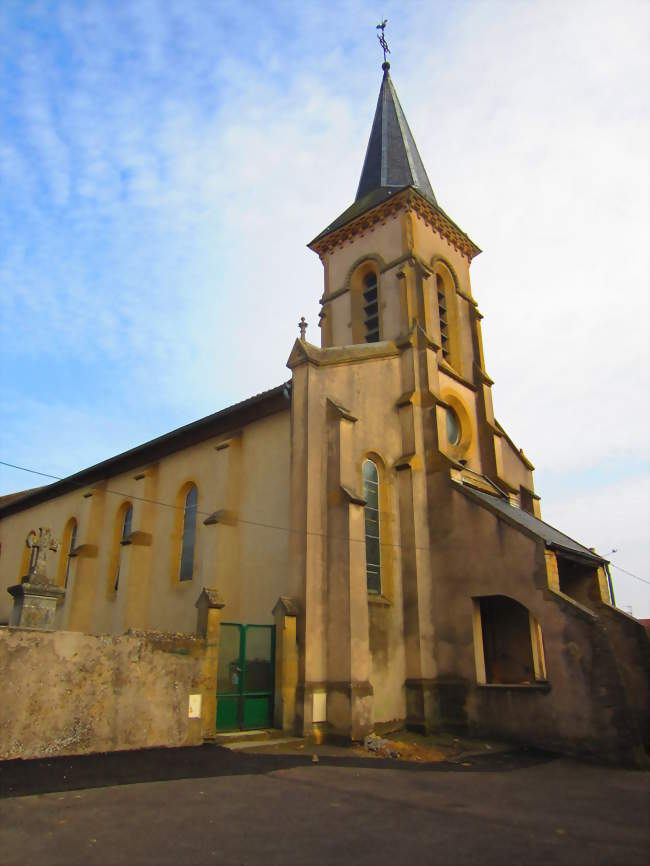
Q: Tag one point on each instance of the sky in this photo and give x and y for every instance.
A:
(163, 164)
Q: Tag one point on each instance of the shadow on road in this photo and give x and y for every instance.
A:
(47, 775)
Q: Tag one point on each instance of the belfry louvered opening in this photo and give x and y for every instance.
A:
(371, 308)
(443, 315)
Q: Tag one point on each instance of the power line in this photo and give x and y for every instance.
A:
(33, 471)
(251, 522)
(131, 496)
(629, 574)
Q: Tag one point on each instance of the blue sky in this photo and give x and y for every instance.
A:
(163, 164)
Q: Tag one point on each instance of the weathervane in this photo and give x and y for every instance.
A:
(382, 38)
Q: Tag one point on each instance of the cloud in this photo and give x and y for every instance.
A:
(164, 165)
(613, 516)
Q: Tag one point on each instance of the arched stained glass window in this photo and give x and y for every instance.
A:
(373, 555)
(189, 535)
(127, 520)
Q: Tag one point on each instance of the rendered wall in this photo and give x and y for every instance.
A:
(70, 693)
(596, 699)
(244, 477)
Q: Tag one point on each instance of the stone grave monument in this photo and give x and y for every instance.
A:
(36, 597)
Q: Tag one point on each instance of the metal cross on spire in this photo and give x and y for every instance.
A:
(382, 37)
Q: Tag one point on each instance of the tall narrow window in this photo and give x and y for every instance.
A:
(124, 535)
(73, 541)
(371, 495)
(67, 546)
(443, 314)
(28, 558)
(189, 535)
(371, 308)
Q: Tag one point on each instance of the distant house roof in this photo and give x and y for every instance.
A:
(267, 403)
(551, 537)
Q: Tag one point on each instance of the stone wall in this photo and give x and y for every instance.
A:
(596, 703)
(72, 693)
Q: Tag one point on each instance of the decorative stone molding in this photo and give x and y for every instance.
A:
(88, 551)
(209, 599)
(287, 605)
(35, 604)
(404, 399)
(222, 516)
(352, 497)
(417, 337)
(139, 538)
(306, 353)
(446, 369)
(409, 201)
(341, 410)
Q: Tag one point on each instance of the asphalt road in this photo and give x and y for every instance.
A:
(261, 809)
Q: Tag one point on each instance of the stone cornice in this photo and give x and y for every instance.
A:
(306, 353)
(223, 516)
(416, 338)
(445, 369)
(518, 451)
(288, 605)
(351, 496)
(410, 201)
(341, 411)
(440, 223)
(482, 376)
(410, 258)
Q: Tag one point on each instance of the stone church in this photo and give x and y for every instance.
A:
(372, 530)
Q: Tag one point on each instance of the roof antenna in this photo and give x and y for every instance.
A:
(384, 45)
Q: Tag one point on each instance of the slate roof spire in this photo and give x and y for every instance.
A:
(392, 159)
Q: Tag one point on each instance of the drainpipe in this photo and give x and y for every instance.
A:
(608, 575)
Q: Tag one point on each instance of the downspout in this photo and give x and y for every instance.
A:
(608, 575)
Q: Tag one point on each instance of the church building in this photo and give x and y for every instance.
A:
(373, 531)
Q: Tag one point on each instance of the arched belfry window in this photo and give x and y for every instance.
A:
(124, 532)
(371, 308)
(443, 314)
(373, 553)
(188, 539)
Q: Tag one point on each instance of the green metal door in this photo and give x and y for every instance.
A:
(245, 678)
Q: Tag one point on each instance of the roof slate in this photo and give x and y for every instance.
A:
(551, 537)
(263, 404)
(392, 159)
(392, 162)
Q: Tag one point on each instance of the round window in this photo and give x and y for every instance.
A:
(453, 427)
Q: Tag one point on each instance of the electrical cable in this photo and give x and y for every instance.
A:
(250, 522)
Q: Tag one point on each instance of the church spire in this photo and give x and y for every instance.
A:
(392, 159)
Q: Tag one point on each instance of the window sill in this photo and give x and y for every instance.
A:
(539, 686)
(379, 600)
(182, 585)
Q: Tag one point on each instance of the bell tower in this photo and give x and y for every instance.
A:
(397, 265)
(394, 257)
